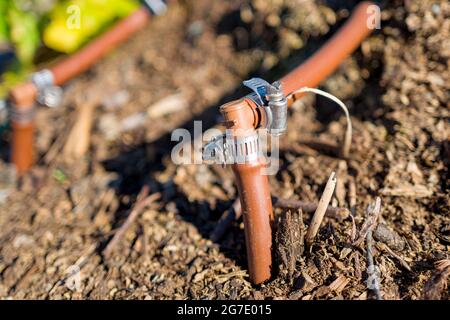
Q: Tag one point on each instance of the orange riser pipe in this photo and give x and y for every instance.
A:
(23, 137)
(254, 195)
(258, 216)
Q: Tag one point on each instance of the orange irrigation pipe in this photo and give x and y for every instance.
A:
(244, 116)
(22, 97)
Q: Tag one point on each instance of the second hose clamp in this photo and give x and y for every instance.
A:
(48, 94)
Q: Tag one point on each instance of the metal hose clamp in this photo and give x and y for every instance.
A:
(246, 149)
(227, 149)
(271, 98)
(22, 115)
(42, 79)
(48, 94)
(156, 7)
(278, 105)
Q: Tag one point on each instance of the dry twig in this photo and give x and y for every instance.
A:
(372, 214)
(321, 209)
(78, 140)
(143, 201)
(167, 105)
(373, 281)
(396, 256)
(339, 284)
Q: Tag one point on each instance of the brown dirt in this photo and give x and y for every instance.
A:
(397, 86)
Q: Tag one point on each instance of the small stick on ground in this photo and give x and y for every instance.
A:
(225, 220)
(55, 149)
(74, 269)
(235, 212)
(341, 180)
(321, 209)
(373, 281)
(167, 105)
(310, 207)
(143, 201)
(77, 143)
(352, 195)
(372, 214)
(386, 248)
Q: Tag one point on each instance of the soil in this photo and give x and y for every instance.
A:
(55, 224)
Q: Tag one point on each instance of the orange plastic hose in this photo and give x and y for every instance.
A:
(326, 60)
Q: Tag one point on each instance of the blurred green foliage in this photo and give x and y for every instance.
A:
(61, 25)
(20, 28)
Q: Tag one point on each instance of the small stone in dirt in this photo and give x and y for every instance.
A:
(116, 100)
(23, 240)
(109, 126)
(389, 237)
(195, 29)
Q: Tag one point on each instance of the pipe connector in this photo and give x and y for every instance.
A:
(278, 105)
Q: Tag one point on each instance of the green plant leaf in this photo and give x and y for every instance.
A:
(4, 32)
(24, 33)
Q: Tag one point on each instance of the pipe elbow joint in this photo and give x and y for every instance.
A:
(241, 115)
